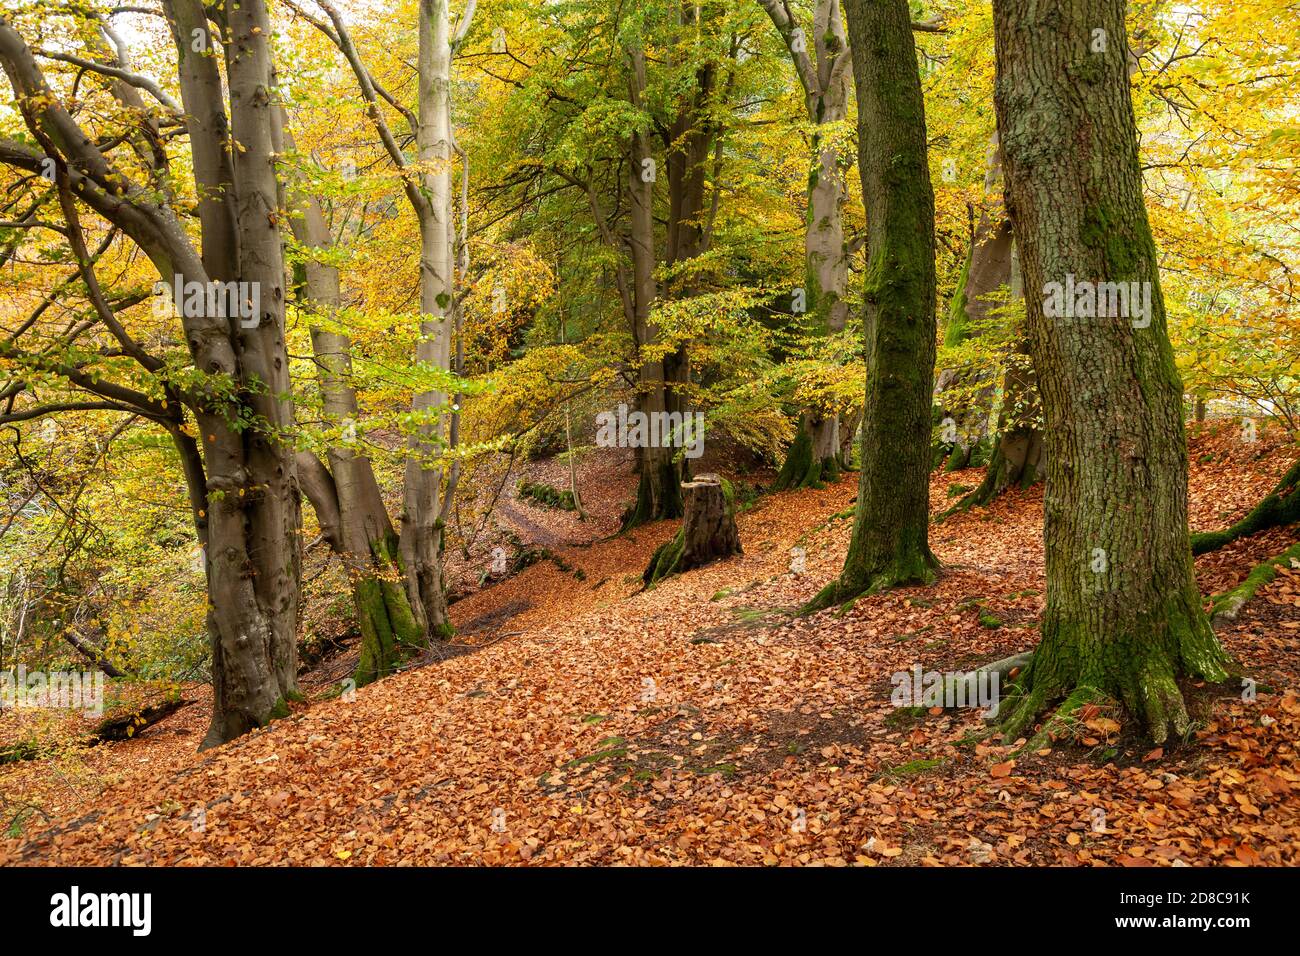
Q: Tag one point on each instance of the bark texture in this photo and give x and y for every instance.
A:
(1123, 617)
(890, 543)
(708, 530)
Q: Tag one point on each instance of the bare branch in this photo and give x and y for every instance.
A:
(135, 79)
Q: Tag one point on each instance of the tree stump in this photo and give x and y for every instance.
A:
(708, 530)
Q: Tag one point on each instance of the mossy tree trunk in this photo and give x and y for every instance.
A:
(890, 543)
(1123, 617)
(1016, 459)
(708, 530)
(1281, 506)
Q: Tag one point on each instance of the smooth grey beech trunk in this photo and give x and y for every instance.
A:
(822, 65)
(241, 477)
(429, 483)
(343, 489)
(421, 522)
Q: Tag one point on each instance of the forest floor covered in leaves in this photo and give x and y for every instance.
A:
(583, 721)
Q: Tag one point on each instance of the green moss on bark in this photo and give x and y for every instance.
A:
(658, 495)
(389, 631)
(1281, 506)
(1228, 605)
(1139, 669)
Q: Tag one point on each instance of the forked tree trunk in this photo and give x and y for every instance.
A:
(890, 543)
(689, 138)
(271, 520)
(429, 486)
(708, 530)
(242, 484)
(345, 494)
(1123, 616)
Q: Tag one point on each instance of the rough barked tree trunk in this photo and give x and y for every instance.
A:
(690, 136)
(708, 530)
(815, 453)
(890, 543)
(1123, 616)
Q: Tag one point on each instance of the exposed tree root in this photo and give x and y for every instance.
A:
(1228, 605)
(906, 569)
(1281, 506)
(1140, 673)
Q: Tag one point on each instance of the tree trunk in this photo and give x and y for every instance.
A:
(657, 494)
(987, 269)
(689, 141)
(429, 489)
(1123, 617)
(255, 522)
(422, 524)
(346, 497)
(242, 485)
(1017, 458)
(708, 530)
(890, 543)
(814, 456)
